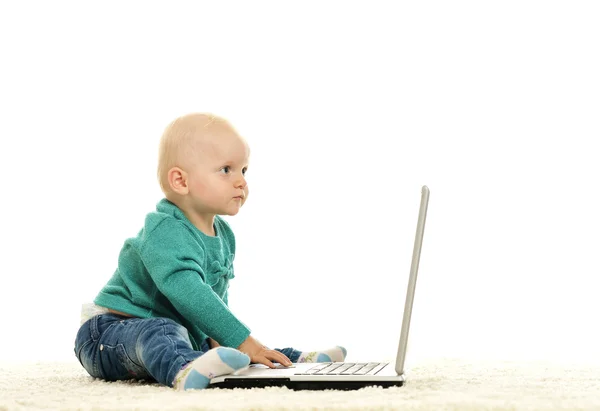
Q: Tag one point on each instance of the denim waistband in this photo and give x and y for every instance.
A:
(100, 323)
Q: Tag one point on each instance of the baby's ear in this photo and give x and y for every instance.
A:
(178, 181)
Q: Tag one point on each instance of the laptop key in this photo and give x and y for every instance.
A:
(377, 369)
(352, 369)
(329, 369)
(341, 369)
(366, 368)
(316, 368)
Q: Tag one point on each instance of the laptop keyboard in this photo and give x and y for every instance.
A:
(345, 368)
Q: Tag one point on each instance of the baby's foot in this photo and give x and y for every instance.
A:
(218, 361)
(335, 354)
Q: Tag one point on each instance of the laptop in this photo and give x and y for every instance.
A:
(339, 375)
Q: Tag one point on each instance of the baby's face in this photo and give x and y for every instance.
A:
(217, 180)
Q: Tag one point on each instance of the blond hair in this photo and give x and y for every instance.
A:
(177, 143)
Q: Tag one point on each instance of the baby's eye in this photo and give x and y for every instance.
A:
(228, 168)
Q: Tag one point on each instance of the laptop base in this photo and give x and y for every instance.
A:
(302, 385)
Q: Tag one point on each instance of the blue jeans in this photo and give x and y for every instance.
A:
(113, 347)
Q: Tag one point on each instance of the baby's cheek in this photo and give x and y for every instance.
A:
(199, 186)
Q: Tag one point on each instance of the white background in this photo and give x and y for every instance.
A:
(349, 109)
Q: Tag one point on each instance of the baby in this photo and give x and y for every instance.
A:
(164, 314)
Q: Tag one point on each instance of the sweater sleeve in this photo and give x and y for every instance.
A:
(175, 267)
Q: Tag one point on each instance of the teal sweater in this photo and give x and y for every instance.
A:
(173, 270)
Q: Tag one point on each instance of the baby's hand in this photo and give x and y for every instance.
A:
(258, 353)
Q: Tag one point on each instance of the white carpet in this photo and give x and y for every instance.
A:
(439, 385)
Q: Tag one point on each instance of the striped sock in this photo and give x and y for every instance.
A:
(218, 361)
(335, 354)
